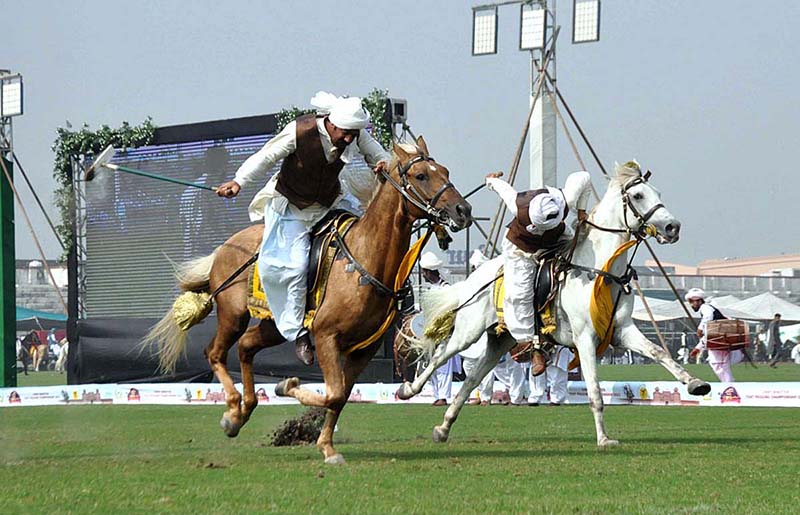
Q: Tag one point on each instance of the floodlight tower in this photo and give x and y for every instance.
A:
(10, 106)
(537, 25)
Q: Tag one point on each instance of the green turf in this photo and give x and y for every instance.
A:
(160, 459)
(48, 378)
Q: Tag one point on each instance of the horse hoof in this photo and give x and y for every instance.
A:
(607, 442)
(698, 387)
(440, 435)
(282, 388)
(405, 392)
(336, 459)
(230, 429)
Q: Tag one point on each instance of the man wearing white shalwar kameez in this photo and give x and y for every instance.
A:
(720, 360)
(538, 224)
(555, 377)
(314, 149)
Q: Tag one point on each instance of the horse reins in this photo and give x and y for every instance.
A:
(406, 187)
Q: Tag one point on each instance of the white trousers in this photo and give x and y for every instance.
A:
(721, 362)
(442, 378)
(486, 387)
(553, 377)
(283, 264)
(518, 309)
(512, 375)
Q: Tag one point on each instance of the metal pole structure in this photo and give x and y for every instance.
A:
(542, 149)
(8, 300)
(650, 314)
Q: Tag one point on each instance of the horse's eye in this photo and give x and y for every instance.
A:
(421, 177)
(638, 196)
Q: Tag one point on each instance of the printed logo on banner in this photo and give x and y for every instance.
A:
(730, 394)
(14, 398)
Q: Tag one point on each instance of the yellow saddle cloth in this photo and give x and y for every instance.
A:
(498, 294)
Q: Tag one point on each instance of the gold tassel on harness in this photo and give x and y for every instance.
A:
(190, 308)
(441, 327)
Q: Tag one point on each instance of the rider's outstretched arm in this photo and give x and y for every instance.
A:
(506, 192)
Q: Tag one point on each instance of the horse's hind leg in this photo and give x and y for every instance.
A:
(631, 338)
(229, 329)
(254, 339)
(495, 348)
(585, 343)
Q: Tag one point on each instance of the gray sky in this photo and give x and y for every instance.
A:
(702, 93)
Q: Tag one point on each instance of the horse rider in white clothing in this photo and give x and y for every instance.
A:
(720, 360)
(538, 224)
(314, 149)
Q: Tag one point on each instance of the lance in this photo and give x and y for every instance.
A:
(103, 160)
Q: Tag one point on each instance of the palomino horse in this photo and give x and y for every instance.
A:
(415, 187)
(615, 219)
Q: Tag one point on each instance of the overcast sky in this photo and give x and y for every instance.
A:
(702, 93)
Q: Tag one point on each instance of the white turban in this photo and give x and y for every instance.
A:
(345, 113)
(430, 261)
(477, 258)
(546, 211)
(695, 293)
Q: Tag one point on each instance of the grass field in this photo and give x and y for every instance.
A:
(153, 459)
(743, 373)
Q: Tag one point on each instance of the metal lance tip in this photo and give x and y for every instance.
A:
(100, 161)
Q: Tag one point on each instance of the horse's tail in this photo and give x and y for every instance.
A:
(438, 306)
(168, 336)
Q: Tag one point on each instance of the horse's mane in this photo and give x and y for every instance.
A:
(625, 172)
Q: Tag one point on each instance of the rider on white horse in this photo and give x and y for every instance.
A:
(314, 149)
(538, 224)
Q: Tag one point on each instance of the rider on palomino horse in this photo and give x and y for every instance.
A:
(314, 149)
(538, 224)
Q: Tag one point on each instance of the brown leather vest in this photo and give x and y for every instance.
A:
(306, 176)
(519, 235)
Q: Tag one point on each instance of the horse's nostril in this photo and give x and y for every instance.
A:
(673, 229)
(464, 210)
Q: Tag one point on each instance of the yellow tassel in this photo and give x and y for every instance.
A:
(441, 327)
(548, 321)
(260, 313)
(500, 329)
(190, 308)
(309, 319)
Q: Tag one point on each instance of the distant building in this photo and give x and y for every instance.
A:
(34, 288)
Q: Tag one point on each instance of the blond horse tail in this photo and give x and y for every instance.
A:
(438, 307)
(168, 337)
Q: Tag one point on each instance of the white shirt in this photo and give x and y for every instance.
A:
(576, 191)
(706, 316)
(796, 354)
(285, 143)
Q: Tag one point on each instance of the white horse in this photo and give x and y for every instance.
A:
(631, 206)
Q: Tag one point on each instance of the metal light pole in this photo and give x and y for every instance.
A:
(10, 106)
(537, 24)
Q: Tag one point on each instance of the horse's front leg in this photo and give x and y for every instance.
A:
(631, 338)
(495, 348)
(331, 362)
(586, 343)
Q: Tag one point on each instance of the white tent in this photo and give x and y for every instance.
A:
(764, 307)
(724, 301)
(673, 311)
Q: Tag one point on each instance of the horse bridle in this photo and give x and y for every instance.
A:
(645, 229)
(406, 188)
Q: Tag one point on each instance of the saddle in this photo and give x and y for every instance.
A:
(544, 291)
(321, 257)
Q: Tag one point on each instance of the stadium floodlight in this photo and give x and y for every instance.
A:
(10, 95)
(532, 27)
(484, 30)
(585, 21)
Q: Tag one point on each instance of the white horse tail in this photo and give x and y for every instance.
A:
(438, 306)
(168, 336)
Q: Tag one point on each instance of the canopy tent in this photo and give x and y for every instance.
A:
(724, 301)
(673, 311)
(28, 319)
(764, 307)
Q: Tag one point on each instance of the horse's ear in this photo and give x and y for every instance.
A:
(401, 154)
(422, 146)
